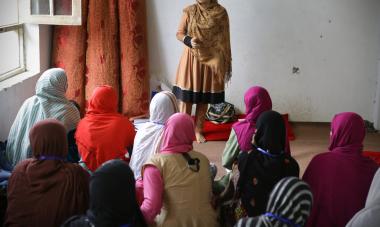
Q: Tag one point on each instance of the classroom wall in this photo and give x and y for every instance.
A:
(335, 44)
(376, 113)
(38, 60)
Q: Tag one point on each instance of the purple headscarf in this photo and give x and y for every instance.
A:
(257, 101)
(340, 179)
(347, 133)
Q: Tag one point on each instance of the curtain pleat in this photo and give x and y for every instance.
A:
(109, 48)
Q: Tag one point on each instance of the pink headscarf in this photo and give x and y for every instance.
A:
(257, 101)
(340, 179)
(347, 133)
(178, 134)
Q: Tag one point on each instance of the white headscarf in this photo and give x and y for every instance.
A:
(48, 102)
(369, 216)
(149, 137)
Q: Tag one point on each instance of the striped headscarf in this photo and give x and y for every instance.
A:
(48, 102)
(289, 205)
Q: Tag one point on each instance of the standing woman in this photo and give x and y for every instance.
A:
(205, 64)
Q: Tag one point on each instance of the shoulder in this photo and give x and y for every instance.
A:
(125, 122)
(156, 160)
(325, 156)
(22, 166)
(78, 170)
(315, 165)
(221, 8)
(28, 104)
(198, 155)
(190, 9)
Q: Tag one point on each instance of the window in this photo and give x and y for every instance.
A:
(11, 40)
(57, 12)
(15, 13)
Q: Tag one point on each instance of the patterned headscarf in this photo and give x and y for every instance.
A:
(210, 24)
(49, 102)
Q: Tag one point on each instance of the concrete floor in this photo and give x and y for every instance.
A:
(311, 139)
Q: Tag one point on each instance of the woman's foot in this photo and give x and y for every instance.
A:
(200, 138)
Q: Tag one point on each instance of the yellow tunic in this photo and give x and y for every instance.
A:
(187, 194)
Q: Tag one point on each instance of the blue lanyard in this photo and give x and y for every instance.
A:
(51, 157)
(157, 123)
(267, 153)
(125, 225)
(281, 219)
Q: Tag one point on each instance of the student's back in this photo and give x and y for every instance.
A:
(48, 102)
(45, 190)
(340, 178)
(103, 134)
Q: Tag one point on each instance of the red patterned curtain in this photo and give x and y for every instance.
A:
(109, 48)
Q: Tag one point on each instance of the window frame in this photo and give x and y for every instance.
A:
(75, 18)
(22, 65)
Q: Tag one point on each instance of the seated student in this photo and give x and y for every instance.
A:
(112, 199)
(369, 216)
(289, 205)
(340, 179)
(257, 101)
(46, 190)
(149, 137)
(103, 134)
(259, 170)
(177, 181)
(49, 102)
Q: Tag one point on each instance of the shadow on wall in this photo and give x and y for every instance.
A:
(155, 44)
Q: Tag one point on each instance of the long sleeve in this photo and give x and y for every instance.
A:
(153, 192)
(231, 151)
(182, 28)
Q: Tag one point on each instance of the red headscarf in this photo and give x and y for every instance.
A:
(103, 134)
(45, 190)
(178, 134)
(257, 101)
(340, 179)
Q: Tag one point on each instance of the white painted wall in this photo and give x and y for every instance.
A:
(38, 40)
(376, 114)
(335, 44)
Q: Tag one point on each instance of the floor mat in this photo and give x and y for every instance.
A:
(221, 132)
(374, 155)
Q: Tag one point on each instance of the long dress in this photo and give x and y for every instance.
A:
(195, 82)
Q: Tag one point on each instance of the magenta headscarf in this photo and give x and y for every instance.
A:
(257, 100)
(340, 179)
(178, 134)
(347, 133)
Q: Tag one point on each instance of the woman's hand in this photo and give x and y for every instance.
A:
(195, 42)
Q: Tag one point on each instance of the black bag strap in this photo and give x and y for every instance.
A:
(192, 163)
